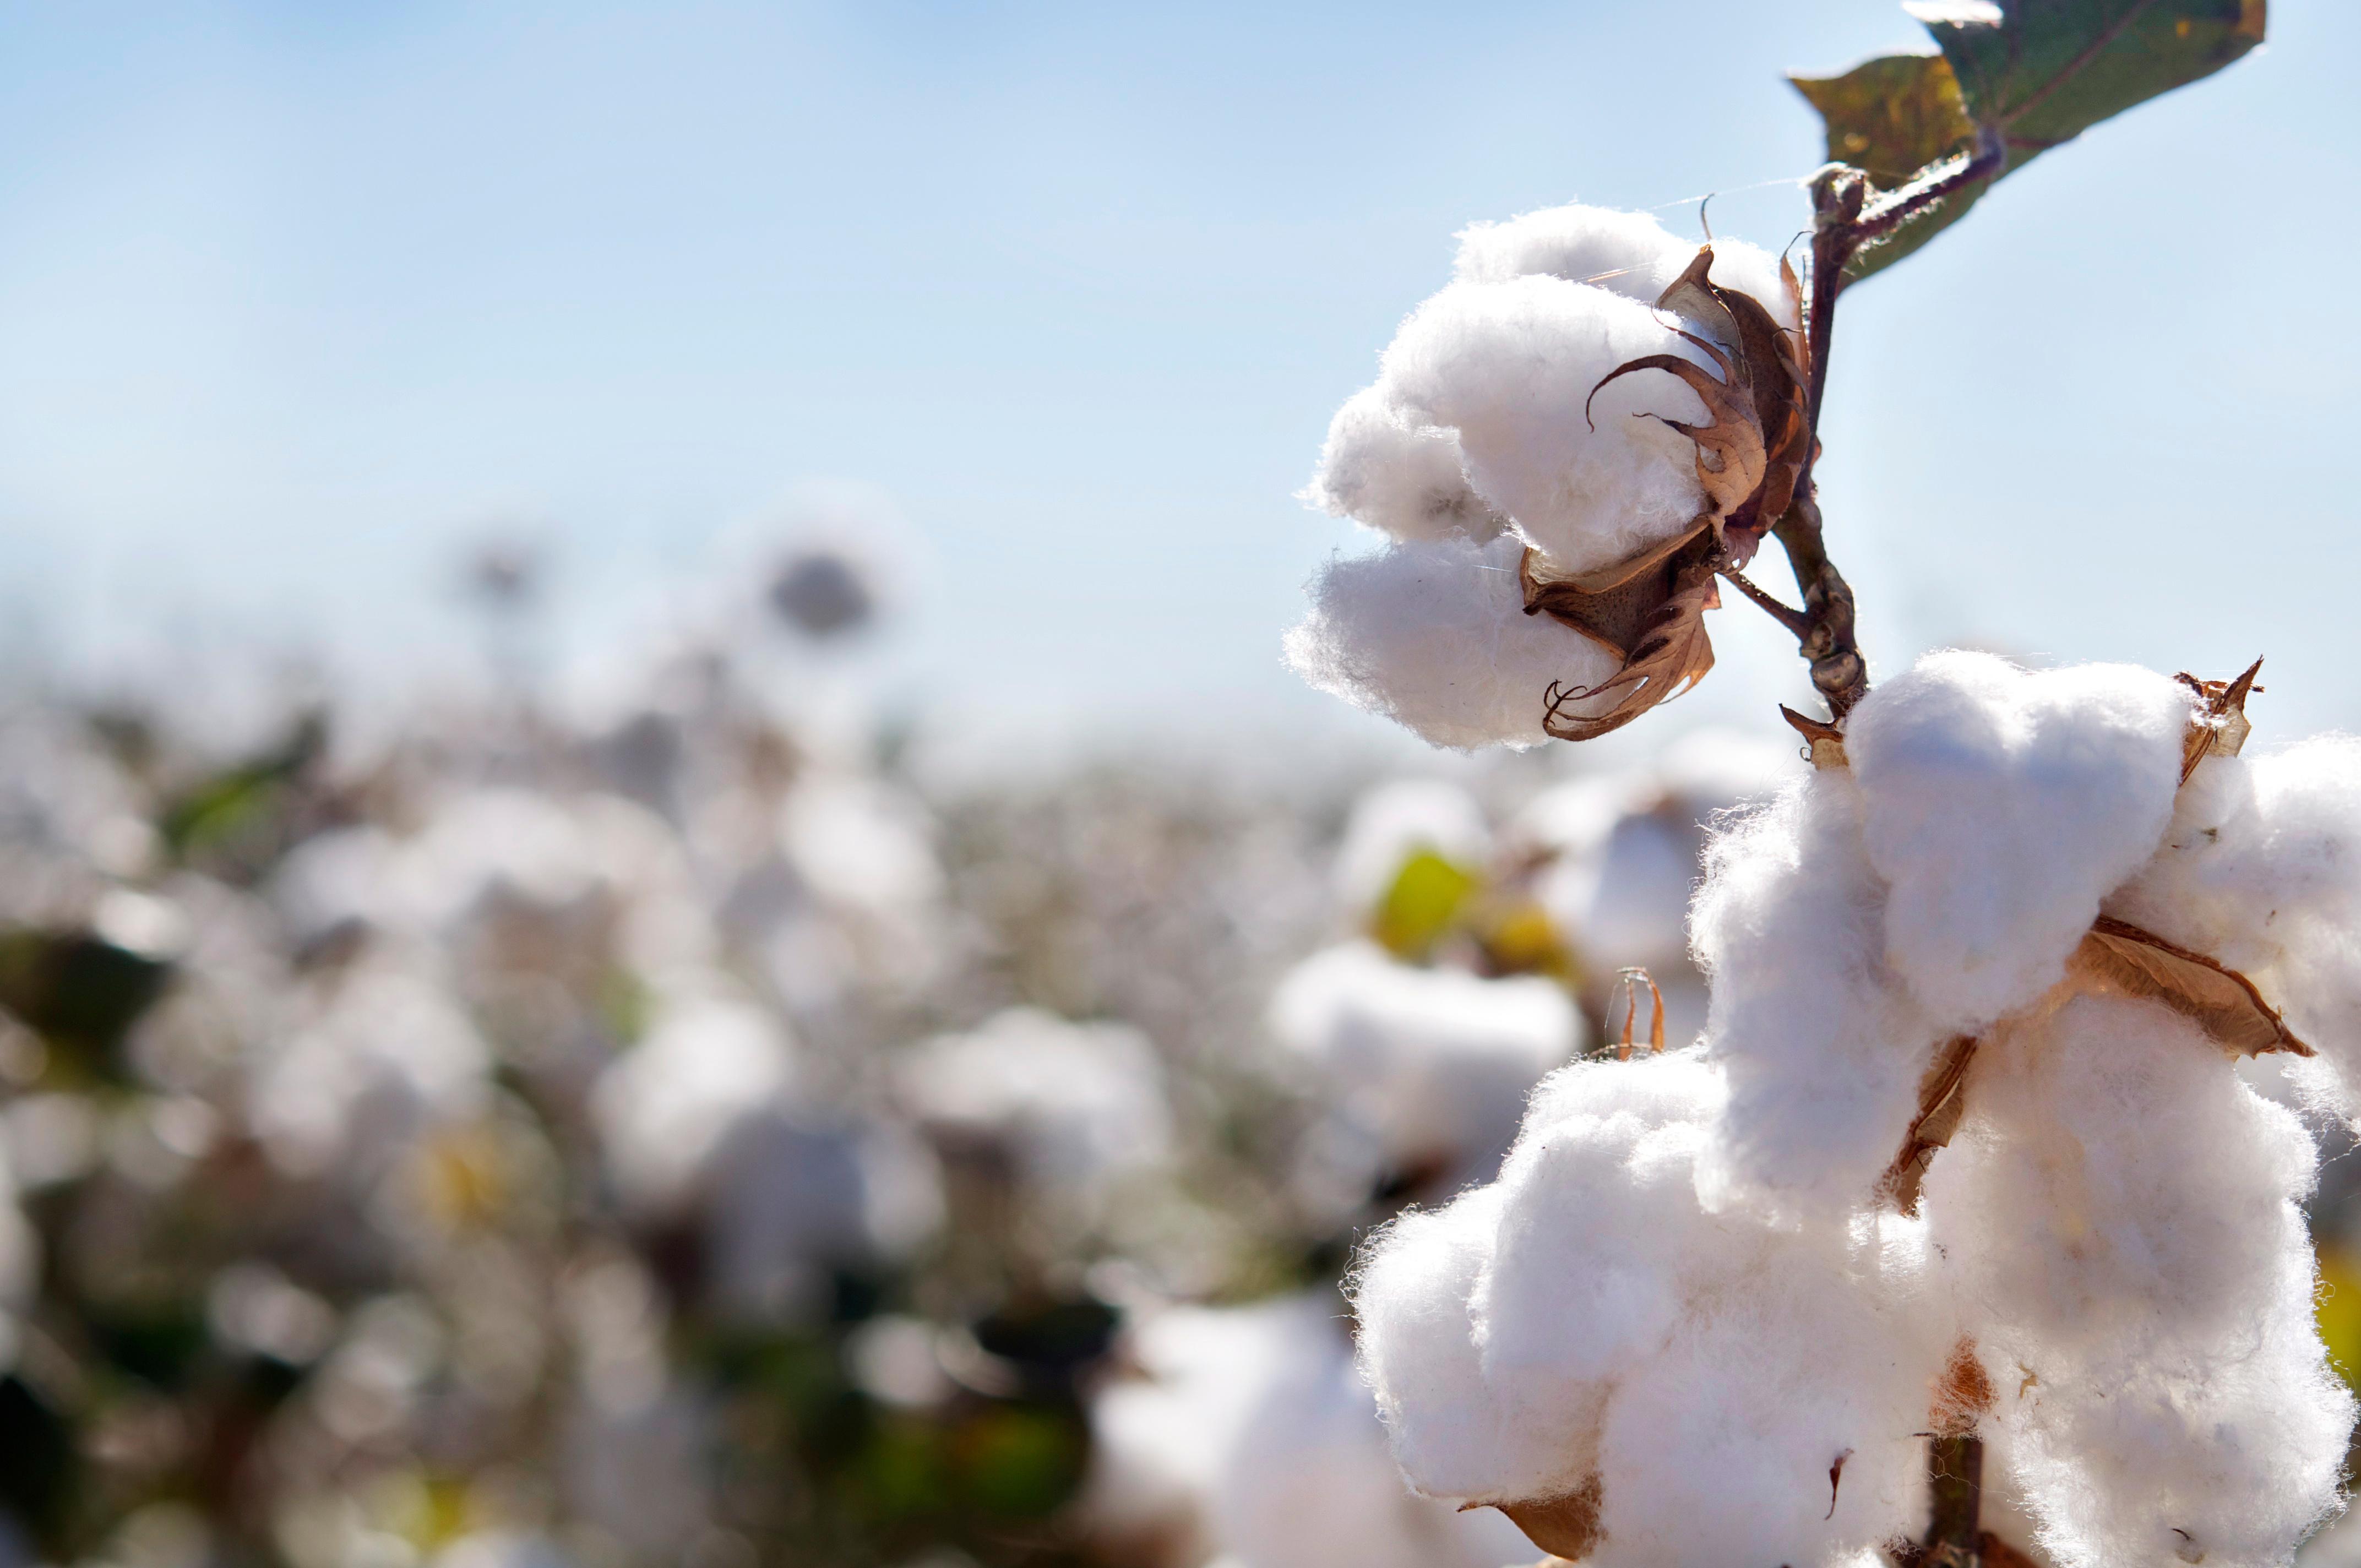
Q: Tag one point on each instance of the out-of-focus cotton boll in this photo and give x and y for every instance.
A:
(2000, 806)
(2118, 1220)
(824, 590)
(1628, 253)
(510, 841)
(1823, 1045)
(640, 1473)
(1078, 1105)
(1308, 1482)
(792, 1199)
(388, 1057)
(1510, 367)
(1404, 479)
(501, 1549)
(1435, 636)
(1435, 1062)
(861, 844)
(1396, 821)
(1248, 1437)
(340, 880)
(666, 1107)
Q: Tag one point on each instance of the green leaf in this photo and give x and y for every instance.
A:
(1892, 116)
(2043, 72)
(2037, 72)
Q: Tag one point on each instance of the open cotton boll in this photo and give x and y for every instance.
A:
(2117, 1219)
(1399, 478)
(1435, 1062)
(1401, 818)
(1629, 253)
(1435, 637)
(796, 1195)
(665, 1108)
(1823, 1046)
(1512, 369)
(2002, 805)
(1718, 1449)
(1599, 1241)
(1077, 1103)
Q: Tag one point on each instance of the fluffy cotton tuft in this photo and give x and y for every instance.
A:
(1399, 478)
(2118, 1222)
(1629, 253)
(1435, 637)
(1587, 1315)
(1510, 367)
(2000, 806)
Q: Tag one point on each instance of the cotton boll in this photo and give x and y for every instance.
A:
(1629, 253)
(2119, 1224)
(665, 1108)
(1512, 369)
(1410, 1289)
(1599, 1243)
(1399, 478)
(1435, 637)
(1398, 820)
(1823, 1048)
(1078, 1105)
(1627, 904)
(1435, 1062)
(2002, 806)
(1719, 1448)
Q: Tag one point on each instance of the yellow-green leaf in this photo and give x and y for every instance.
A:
(1424, 898)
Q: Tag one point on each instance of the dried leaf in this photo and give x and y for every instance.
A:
(1942, 1101)
(2121, 958)
(1563, 1526)
(2220, 728)
(1671, 654)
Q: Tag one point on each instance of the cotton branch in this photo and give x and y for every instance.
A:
(1846, 216)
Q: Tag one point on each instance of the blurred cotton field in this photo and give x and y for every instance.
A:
(684, 1128)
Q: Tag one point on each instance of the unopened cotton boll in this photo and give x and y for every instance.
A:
(1435, 1062)
(1512, 368)
(2002, 805)
(2117, 1219)
(1401, 478)
(1435, 637)
(1823, 1045)
(1628, 253)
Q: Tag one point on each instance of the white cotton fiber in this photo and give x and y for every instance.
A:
(1435, 637)
(2002, 805)
(2118, 1222)
(1719, 1449)
(667, 1107)
(1509, 367)
(1433, 1063)
(1629, 253)
(1402, 479)
(1823, 1046)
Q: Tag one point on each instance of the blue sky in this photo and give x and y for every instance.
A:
(295, 298)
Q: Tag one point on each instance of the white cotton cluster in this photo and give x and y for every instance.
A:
(1075, 1105)
(1432, 1066)
(1488, 431)
(1684, 1270)
(1586, 1319)
(1246, 1437)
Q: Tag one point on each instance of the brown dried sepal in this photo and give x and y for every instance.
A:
(2219, 726)
(1823, 743)
(1942, 1101)
(1632, 979)
(1752, 448)
(2118, 957)
(1669, 653)
(1565, 1527)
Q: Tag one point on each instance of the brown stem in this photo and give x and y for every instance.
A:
(1793, 620)
(1955, 1472)
(1839, 673)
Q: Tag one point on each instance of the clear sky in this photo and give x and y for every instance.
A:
(293, 298)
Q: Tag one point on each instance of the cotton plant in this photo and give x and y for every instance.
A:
(1959, 1186)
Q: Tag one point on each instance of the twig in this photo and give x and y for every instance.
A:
(1795, 620)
